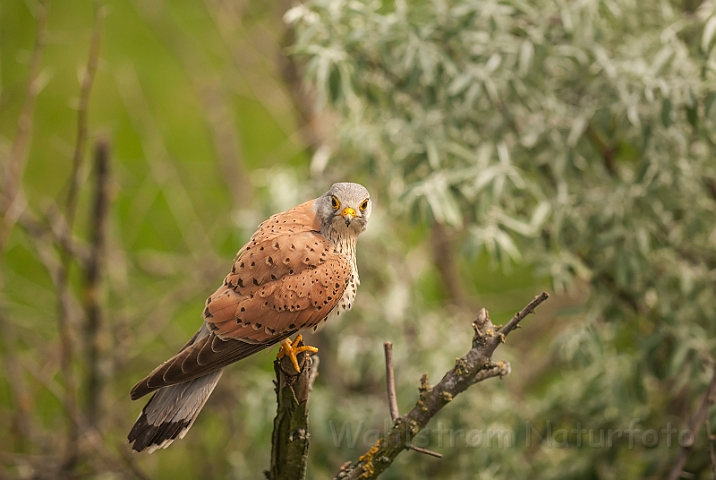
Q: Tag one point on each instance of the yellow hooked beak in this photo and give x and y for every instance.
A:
(348, 214)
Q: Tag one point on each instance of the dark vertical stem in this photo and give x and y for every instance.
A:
(93, 283)
(444, 260)
(66, 356)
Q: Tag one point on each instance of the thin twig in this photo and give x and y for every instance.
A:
(82, 115)
(425, 451)
(393, 398)
(390, 381)
(694, 424)
(519, 316)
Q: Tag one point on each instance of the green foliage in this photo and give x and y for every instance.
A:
(575, 136)
(547, 141)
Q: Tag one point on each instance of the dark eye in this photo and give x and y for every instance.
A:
(336, 204)
(364, 205)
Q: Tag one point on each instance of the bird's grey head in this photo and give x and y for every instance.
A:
(345, 207)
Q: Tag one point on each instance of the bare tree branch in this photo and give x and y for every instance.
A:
(694, 425)
(474, 367)
(93, 284)
(290, 438)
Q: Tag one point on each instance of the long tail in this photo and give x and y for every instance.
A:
(171, 412)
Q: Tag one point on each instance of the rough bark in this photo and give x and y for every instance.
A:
(290, 438)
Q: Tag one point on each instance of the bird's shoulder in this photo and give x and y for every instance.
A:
(301, 218)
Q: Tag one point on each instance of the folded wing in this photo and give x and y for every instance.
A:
(288, 277)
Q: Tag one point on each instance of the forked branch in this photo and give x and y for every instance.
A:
(474, 367)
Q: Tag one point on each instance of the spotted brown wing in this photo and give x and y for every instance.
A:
(288, 277)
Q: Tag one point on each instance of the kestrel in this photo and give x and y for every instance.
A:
(296, 271)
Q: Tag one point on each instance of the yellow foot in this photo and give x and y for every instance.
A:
(288, 349)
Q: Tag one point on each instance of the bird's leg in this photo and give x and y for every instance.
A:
(288, 349)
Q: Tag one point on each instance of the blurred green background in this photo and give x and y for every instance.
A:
(509, 147)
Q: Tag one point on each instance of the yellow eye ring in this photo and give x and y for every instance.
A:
(364, 205)
(336, 204)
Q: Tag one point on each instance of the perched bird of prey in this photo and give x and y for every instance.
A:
(296, 271)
